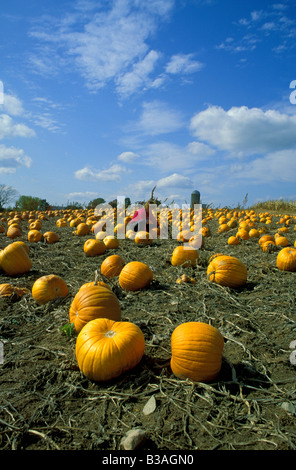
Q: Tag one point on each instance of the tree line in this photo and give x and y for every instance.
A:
(9, 201)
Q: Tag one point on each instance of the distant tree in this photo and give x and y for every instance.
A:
(74, 205)
(30, 203)
(95, 202)
(114, 203)
(7, 195)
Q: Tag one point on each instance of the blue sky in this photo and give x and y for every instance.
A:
(109, 98)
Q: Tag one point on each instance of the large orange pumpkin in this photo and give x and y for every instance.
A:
(135, 275)
(94, 301)
(286, 259)
(111, 242)
(184, 256)
(93, 247)
(142, 238)
(105, 349)
(196, 349)
(15, 259)
(14, 231)
(51, 237)
(49, 287)
(112, 266)
(34, 235)
(227, 271)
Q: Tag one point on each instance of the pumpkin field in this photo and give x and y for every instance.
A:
(57, 395)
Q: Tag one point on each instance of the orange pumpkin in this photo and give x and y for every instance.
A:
(233, 240)
(142, 238)
(111, 242)
(266, 238)
(268, 246)
(184, 256)
(34, 236)
(135, 275)
(49, 287)
(82, 229)
(14, 231)
(286, 259)
(14, 259)
(282, 241)
(36, 225)
(93, 247)
(227, 271)
(196, 349)
(61, 223)
(112, 266)
(105, 349)
(92, 302)
(51, 237)
(6, 290)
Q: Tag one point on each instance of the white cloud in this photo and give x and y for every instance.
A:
(158, 118)
(138, 77)
(183, 64)
(106, 44)
(245, 130)
(200, 150)
(82, 195)
(11, 105)
(175, 180)
(274, 167)
(12, 158)
(128, 157)
(114, 173)
(8, 128)
(166, 156)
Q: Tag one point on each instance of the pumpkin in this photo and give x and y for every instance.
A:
(36, 225)
(254, 233)
(93, 247)
(184, 256)
(49, 287)
(266, 238)
(15, 259)
(105, 349)
(51, 237)
(227, 271)
(13, 231)
(184, 236)
(281, 241)
(196, 241)
(82, 229)
(286, 259)
(196, 351)
(268, 246)
(142, 238)
(135, 275)
(233, 240)
(61, 223)
(34, 236)
(111, 242)
(243, 233)
(223, 228)
(6, 290)
(95, 301)
(112, 266)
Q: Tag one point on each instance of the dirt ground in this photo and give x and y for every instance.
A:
(46, 402)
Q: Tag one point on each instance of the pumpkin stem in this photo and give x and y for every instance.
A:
(210, 274)
(96, 277)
